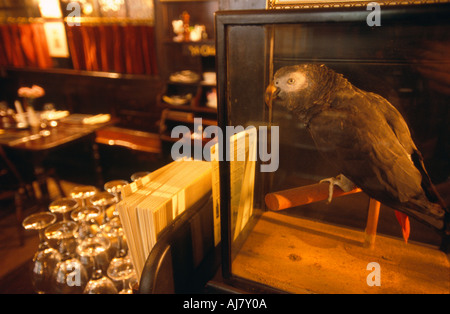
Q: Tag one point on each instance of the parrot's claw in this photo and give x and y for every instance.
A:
(330, 188)
(341, 181)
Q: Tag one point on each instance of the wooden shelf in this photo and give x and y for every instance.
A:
(209, 41)
(189, 119)
(199, 109)
(72, 72)
(175, 56)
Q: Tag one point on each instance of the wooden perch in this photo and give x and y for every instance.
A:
(318, 192)
(303, 195)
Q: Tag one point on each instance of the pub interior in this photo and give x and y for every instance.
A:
(90, 91)
(108, 61)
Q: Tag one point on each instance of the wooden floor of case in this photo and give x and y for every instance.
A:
(303, 256)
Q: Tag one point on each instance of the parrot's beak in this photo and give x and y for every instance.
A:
(271, 94)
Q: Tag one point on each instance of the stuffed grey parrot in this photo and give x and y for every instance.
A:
(365, 136)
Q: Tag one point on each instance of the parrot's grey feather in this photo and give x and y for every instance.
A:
(364, 135)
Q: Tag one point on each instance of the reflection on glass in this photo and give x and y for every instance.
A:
(69, 276)
(46, 258)
(86, 219)
(103, 200)
(96, 250)
(115, 187)
(121, 269)
(85, 252)
(63, 206)
(137, 175)
(82, 193)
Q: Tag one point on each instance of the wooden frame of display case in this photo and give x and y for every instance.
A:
(307, 4)
(308, 14)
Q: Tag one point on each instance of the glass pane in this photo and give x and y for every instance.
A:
(320, 246)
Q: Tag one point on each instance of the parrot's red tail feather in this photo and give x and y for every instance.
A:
(404, 223)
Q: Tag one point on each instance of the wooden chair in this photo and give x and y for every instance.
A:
(13, 186)
(131, 139)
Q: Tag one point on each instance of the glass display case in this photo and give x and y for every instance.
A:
(311, 84)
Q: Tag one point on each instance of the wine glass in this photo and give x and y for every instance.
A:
(88, 228)
(137, 175)
(46, 258)
(85, 251)
(115, 187)
(82, 193)
(69, 275)
(133, 284)
(114, 231)
(94, 248)
(103, 200)
(86, 219)
(121, 269)
(63, 206)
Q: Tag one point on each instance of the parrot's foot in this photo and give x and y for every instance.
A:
(341, 181)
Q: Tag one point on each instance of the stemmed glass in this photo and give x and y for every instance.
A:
(112, 230)
(89, 228)
(82, 193)
(103, 200)
(63, 206)
(120, 267)
(114, 187)
(95, 249)
(137, 175)
(133, 284)
(85, 252)
(86, 219)
(69, 276)
(46, 258)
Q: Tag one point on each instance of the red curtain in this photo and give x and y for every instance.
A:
(113, 47)
(24, 45)
(122, 48)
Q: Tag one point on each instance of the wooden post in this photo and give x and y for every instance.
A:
(372, 222)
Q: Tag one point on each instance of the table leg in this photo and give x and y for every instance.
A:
(41, 179)
(97, 165)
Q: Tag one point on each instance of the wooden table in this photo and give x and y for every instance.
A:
(48, 138)
(38, 143)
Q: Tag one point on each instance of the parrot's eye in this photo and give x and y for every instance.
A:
(290, 81)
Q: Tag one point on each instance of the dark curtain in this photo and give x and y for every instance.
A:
(122, 48)
(24, 45)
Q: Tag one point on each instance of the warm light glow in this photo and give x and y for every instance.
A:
(111, 5)
(88, 9)
(50, 8)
